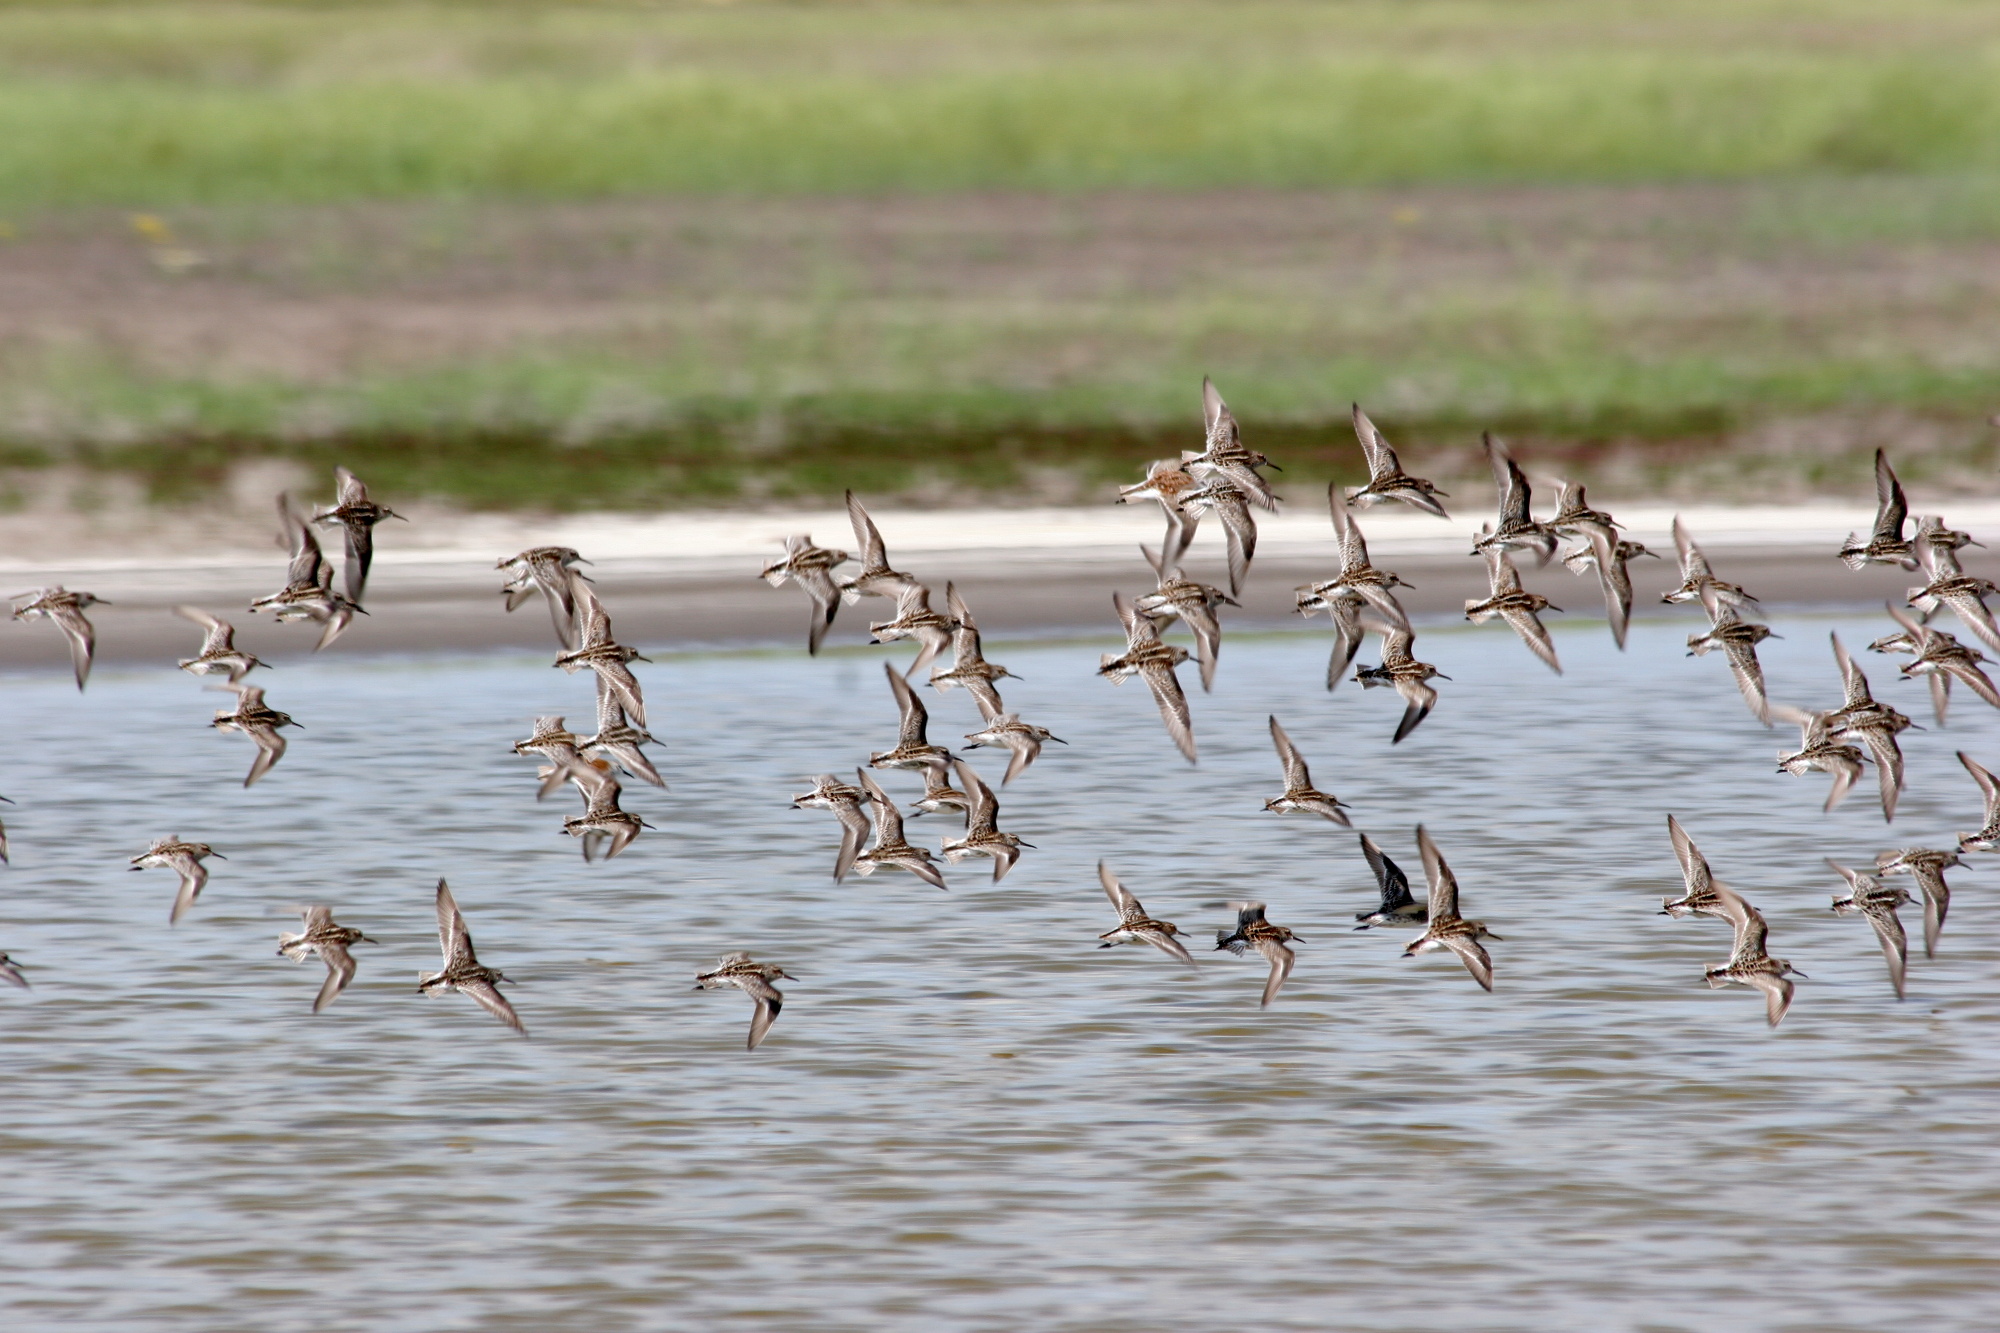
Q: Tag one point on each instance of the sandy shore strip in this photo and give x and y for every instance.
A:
(678, 581)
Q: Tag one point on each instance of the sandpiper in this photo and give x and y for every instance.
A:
(219, 654)
(1178, 597)
(1008, 731)
(602, 824)
(1166, 481)
(969, 667)
(891, 848)
(1220, 496)
(1358, 579)
(331, 942)
(915, 620)
(308, 592)
(1404, 673)
(939, 795)
(1386, 478)
(66, 609)
(1517, 529)
(357, 515)
(1615, 577)
(1348, 633)
(1819, 752)
(811, 567)
(1698, 581)
(1518, 607)
(596, 649)
(1134, 926)
(184, 859)
(1254, 932)
(913, 747)
(876, 579)
(1738, 640)
(462, 970)
(1447, 929)
(3, 834)
(1749, 964)
(753, 979)
(617, 739)
(1940, 659)
(845, 801)
(547, 570)
(1988, 837)
(1299, 793)
(1594, 529)
(1224, 455)
(259, 723)
(1874, 725)
(1926, 866)
(1951, 586)
(10, 971)
(1869, 897)
(1886, 544)
(982, 833)
(556, 743)
(1147, 657)
(1397, 907)
(1705, 893)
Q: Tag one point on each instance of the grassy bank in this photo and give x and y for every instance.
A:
(157, 104)
(587, 254)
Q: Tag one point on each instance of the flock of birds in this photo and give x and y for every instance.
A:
(1225, 479)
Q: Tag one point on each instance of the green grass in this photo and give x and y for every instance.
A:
(1846, 127)
(539, 438)
(161, 104)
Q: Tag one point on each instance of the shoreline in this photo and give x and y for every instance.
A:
(690, 581)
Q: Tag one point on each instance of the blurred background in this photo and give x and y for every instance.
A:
(620, 255)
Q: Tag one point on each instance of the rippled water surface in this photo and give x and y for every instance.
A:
(968, 1116)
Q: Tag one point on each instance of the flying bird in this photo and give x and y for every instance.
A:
(65, 609)
(219, 654)
(185, 860)
(259, 723)
(1254, 932)
(844, 801)
(1224, 454)
(1398, 907)
(1134, 925)
(876, 579)
(1518, 607)
(547, 570)
(462, 970)
(753, 979)
(982, 833)
(1405, 674)
(1869, 897)
(891, 848)
(811, 567)
(357, 515)
(1299, 793)
(1386, 479)
(1447, 929)
(596, 649)
(1517, 529)
(914, 619)
(969, 667)
(1886, 544)
(331, 942)
(1749, 964)
(1926, 866)
(1147, 657)
(913, 748)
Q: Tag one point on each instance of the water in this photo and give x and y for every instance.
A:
(968, 1116)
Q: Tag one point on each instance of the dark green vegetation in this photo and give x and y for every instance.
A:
(639, 254)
